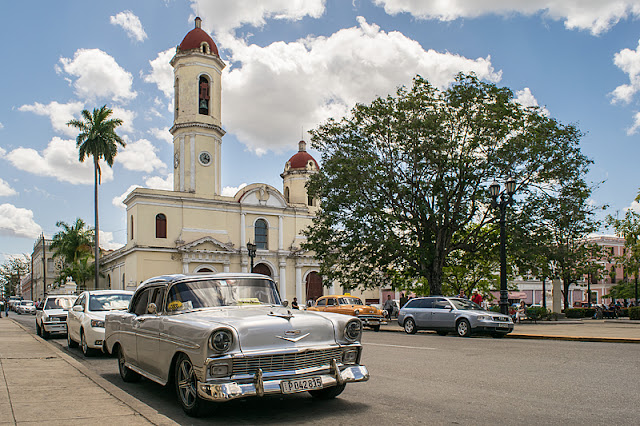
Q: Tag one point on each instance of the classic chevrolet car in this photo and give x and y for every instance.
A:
(224, 336)
(349, 305)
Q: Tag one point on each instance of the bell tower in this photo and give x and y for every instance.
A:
(197, 126)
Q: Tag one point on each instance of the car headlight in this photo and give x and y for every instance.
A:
(483, 318)
(97, 323)
(353, 330)
(350, 356)
(221, 340)
(356, 312)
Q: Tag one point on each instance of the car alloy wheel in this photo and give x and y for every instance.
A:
(410, 326)
(463, 328)
(86, 350)
(126, 373)
(70, 342)
(185, 380)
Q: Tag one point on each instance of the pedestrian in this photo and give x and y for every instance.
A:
(477, 298)
(6, 308)
(294, 304)
(520, 312)
(389, 304)
(462, 295)
(403, 300)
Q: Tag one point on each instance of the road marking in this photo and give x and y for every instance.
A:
(398, 346)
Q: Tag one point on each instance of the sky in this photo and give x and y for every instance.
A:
(290, 66)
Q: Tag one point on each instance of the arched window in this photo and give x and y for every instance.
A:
(203, 96)
(286, 194)
(132, 227)
(176, 96)
(261, 234)
(161, 226)
(205, 47)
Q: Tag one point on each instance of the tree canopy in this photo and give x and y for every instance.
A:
(404, 180)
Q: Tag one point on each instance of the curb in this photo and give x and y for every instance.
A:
(543, 337)
(142, 409)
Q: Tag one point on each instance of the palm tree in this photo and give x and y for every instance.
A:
(73, 242)
(98, 139)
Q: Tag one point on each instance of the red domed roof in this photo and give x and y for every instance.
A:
(302, 157)
(195, 37)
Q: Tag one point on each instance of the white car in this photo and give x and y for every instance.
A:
(26, 307)
(52, 318)
(85, 321)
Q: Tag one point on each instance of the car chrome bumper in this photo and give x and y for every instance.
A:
(55, 327)
(231, 390)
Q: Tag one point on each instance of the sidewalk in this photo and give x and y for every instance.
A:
(41, 384)
(587, 330)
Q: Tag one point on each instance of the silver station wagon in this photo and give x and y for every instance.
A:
(452, 314)
(224, 336)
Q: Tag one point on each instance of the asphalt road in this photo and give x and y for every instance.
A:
(426, 378)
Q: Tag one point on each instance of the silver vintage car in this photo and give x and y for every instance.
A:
(224, 336)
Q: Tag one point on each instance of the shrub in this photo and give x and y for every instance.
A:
(589, 312)
(623, 312)
(634, 313)
(494, 308)
(536, 312)
(552, 316)
(574, 312)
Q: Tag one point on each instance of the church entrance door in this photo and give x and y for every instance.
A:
(314, 286)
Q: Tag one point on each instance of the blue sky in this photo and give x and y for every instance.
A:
(290, 66)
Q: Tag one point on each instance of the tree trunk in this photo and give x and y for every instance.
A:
(566, 283)
(97, 228)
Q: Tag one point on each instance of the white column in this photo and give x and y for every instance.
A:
(182, 163)
(281, 233)
(333, 286)
(283, 281)
(243, 239)
(299, 284)
(193, 162)
(185, 266)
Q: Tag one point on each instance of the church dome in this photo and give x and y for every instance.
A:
(301, 159)
(195, 39)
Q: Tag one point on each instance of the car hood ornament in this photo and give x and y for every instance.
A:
(293, 335)
(288, 315)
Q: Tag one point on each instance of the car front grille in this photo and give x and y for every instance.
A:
(61, 318)
(284, 362)
(500, 319)
(370, 316)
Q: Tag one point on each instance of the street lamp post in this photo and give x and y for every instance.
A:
(505, 199)
(252, 253)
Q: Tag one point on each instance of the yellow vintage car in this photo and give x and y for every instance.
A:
(349, 305)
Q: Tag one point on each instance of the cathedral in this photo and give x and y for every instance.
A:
(194, 229)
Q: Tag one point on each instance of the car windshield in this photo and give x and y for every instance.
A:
(349, 301)
(189, 295)
(109, 302)
(59, 302)
(28, 302)
(466, 305)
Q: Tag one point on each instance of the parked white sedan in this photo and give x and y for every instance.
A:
(85, 321)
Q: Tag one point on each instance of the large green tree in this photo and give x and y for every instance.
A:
(404, 180)
(12, 271)
(97, 139)
(73, 242)
(628, 228)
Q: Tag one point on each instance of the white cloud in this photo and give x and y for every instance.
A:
(230, 191)
(162, 72)
(154, 182)
(162, 134)
(106, 241)
(126, 116)
(2, 152)
(224, 15)
(303, 83)
(635, 206)
(131, 24)
(118, 201)
(525, 98)
(98, 75)
(1, 126)
(628, 61)
(59, 114)
(597, 16)
(140, 156)
(6, 190)
(59, 160)
(636, 125)
(18, 222)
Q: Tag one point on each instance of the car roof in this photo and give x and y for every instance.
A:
(339, 295)
(93, 292)
(173, 278)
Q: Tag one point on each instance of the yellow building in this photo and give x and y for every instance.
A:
(194, 228)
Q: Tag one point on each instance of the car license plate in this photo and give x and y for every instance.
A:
(503, 325)
(301, 385)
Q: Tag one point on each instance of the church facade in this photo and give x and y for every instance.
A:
(194, 229)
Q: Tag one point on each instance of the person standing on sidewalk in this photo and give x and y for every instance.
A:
(389, 304)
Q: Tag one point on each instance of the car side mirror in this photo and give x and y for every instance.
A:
(285, 303)
(450, 308)
(152, 308)
(78, 308)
